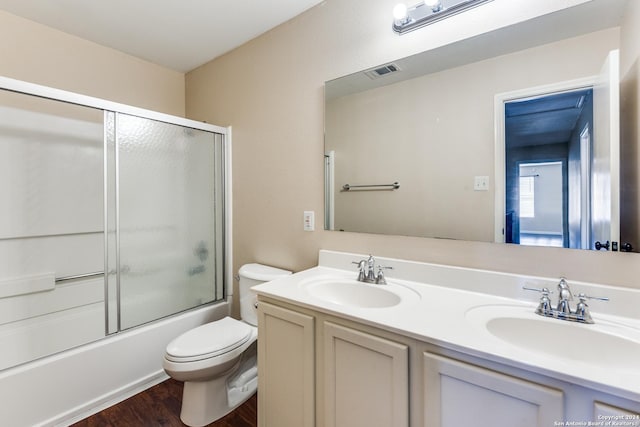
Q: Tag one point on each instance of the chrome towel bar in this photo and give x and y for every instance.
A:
(393, 186)
(79, 276)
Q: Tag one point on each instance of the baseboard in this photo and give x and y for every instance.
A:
(106, 401)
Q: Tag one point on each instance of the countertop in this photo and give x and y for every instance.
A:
(439, 315)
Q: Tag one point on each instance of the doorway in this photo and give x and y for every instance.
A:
(546, 168)
(592, 155)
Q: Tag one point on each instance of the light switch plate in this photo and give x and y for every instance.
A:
(481, 183)
(309, 221)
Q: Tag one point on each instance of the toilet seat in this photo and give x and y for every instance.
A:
(209, 340)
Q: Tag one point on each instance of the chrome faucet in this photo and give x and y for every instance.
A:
(563, 309)
(367, 271)
(371, 267)
(564, 296)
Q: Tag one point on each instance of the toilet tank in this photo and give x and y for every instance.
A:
(251, 275)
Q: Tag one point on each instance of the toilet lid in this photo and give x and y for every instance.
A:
(210, 340)
(263, 273)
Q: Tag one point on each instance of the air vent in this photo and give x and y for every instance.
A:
(384, 70)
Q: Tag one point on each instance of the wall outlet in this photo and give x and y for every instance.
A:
(481, 183)
(309, 221)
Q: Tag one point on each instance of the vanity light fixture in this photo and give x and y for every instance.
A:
(427, 12)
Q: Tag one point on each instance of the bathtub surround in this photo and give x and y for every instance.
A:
(105, 372)
(94, 187)
(149, 189)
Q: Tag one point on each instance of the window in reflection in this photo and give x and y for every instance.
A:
(527, 196)
(541, 204)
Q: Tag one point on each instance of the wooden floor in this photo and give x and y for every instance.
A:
(160, 406)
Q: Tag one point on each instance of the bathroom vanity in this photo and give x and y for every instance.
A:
(440, 346)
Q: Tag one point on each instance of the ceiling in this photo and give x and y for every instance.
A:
(177, 34)
(543, 120)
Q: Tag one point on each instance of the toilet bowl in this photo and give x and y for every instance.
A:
(217, 361)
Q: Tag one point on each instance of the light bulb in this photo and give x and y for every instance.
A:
(400, 12)
(435, 5)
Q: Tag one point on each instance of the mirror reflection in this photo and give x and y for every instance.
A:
(514, 142)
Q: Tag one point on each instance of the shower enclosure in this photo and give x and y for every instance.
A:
(111, 217)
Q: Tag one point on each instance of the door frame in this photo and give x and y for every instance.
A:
(499, 102)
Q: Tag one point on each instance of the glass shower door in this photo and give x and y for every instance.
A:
(107, 220)
(168, 217)
(51, 226)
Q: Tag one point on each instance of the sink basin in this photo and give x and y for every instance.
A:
(348, 292)
(604, 343)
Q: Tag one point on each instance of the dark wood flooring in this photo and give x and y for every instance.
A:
(160, 406)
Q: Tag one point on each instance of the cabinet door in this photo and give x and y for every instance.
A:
(366, 379)
(286, 387)
(624, 416)
(459, 394)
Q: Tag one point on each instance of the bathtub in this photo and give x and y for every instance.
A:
(66, 387)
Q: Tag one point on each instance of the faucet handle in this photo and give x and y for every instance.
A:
(583, 297)
(544, 308)
(380, 279)
(582, 309)
(543, 291)
(362, 265)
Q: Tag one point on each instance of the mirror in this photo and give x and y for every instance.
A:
(437, 144)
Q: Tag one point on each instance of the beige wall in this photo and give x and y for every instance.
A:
(433, 134)
(271, 91)
(41, 55)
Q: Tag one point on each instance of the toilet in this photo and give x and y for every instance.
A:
(217, 361)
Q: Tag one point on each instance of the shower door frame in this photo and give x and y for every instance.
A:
(27, 88)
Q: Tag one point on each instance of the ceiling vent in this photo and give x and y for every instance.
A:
(384, 70)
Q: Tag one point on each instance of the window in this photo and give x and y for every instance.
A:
(527, 197)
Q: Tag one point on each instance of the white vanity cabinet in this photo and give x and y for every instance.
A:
(366, 379)
(461, 394)
(354, 379)
(320, 369)
(286, 365)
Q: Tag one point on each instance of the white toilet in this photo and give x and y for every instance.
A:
(217, 361)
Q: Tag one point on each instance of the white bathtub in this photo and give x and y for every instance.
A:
(68, 386)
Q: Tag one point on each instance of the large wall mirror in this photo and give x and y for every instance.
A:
(515, 136)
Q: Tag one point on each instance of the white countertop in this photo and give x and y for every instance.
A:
(439, 315)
